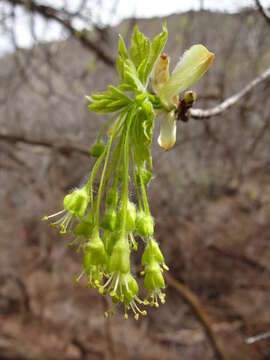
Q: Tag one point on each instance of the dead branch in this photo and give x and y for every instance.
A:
(52, 13)
(265, 13)
(193, 302)
(260, 337)
(199, 114)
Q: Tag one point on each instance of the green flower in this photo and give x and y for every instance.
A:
(75, 206)
(94, 261)
(120, 257)
(152, 253)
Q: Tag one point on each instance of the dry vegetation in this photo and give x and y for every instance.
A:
(210, 197)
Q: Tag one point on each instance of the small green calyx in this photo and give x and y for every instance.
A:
(154, 279)
(109, 220)
(152, 253)
(119, 259)
(97, 149)
(130, 217)
(77, 202)
(131, 288)
(95, 251)
(144, 225)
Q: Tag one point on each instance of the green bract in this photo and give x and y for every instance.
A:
(106, 222)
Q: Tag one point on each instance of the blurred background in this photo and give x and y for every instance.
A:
(210, 196)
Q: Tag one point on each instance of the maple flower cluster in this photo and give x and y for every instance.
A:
(107, 225)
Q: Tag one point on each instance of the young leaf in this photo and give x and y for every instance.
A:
(141, 133)
(122, 56)
(191, 67)
(140, 47)
(156, 49)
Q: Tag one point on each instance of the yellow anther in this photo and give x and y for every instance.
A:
(125, 316)
(106, 314)
(136, 316)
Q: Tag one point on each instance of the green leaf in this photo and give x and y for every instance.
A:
(141, 133)
(122, 56)
(131, 77)
(108, 101)
(156, 49)
(140, 47)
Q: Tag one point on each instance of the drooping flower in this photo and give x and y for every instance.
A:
(75, 206)
(111, 228)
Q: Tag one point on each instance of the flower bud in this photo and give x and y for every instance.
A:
(119, 260)
(109, 220)
(77, 202)
(97, 149)
(147, 109)
(139, 99)
(153, 279)
(189, 98)
(144, 224)
(152, 253)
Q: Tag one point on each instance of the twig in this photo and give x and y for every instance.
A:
(260, 337)
(52, 13)
(265, 13)
(191, 300)
(199, 114)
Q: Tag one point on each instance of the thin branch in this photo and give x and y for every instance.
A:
(200, 114)
(260, 337)
(193, 302)
(63, 148)
(265, 13)
(51, 13)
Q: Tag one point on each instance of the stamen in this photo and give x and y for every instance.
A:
(47, 217)
(78, 278)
